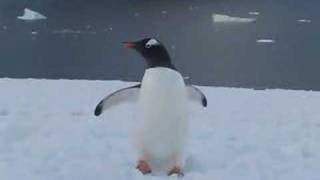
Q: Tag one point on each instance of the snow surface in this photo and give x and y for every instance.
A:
(221, 18)
(48, 131)
(30, 15)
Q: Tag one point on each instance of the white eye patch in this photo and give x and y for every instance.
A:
(152, 42)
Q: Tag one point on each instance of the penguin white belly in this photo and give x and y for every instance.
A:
(164, 125)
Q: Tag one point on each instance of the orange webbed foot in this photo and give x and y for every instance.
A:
(143, 167)
(176, 170)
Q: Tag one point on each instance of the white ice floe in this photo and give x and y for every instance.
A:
(266, 41)
(164, 12)
(48, 131)
(67, 31)
(34, 32)
(220, 18)
(30, 15)
(255, 13)
(304, 20)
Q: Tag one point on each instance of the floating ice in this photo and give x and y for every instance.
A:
(255, 13)
(304, 21)
(67, 31)
(265, 41)
(220, 18)
(30, 15)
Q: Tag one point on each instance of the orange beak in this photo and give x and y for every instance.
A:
(128, 44)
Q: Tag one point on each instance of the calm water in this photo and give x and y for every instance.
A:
(81, 40)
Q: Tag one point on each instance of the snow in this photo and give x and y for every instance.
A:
(221, 18)
(48, 131)
(30, 15)
(265, 41)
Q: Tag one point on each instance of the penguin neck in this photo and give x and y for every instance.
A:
(164, 62)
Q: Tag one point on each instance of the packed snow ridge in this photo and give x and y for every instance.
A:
(221, 18)
(30, 15)
(48, 131)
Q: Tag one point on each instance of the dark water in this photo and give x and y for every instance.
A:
(210, 54)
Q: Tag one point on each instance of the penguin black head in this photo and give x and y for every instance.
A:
(153, 51)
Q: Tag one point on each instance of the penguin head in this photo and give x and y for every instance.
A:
(153, 52)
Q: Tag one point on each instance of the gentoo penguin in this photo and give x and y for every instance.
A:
(162, 96)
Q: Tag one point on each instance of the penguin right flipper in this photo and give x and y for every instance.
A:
(195, 94)
(129, 94)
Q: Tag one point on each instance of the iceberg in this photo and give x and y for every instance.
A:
(30, 15)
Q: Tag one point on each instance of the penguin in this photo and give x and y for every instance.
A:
(163, 99)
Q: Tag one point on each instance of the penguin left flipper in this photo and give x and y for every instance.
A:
(195, 94)
(128, 94)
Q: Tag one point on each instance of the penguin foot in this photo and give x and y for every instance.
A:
(143, 167)
(176, 170)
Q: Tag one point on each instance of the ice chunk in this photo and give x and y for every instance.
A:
(255, 13)
(67, 31)
(30, 15)
(304, 20)
(265, 41)
(220, 18)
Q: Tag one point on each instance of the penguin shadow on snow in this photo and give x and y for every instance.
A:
(4, 112)
(194, 165)
(78, 113)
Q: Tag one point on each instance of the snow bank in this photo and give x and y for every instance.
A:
(48, 131)
(220, 18)
(30, 15)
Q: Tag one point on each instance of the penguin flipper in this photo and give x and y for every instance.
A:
(128, 94)
(195, 94)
